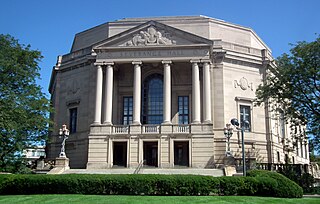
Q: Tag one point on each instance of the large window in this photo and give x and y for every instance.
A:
(245, 117)
(127, 110)
(73, 120)
(282, 124)
(152, 109)
(183, 109)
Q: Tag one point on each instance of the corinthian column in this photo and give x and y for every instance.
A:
(97, 113)
(108, 94)
(206, 92)
(136, 93)
(195, 93)
(166, 92)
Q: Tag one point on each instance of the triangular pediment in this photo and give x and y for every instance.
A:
(152, 34)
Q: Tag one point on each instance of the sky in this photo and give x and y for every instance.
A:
(50, 26)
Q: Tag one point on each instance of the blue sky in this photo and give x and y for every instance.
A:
(50, 26)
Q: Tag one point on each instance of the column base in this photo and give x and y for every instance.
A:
(107, 123)
(166, 123)
(196, 122)
(96, 123)
(135, 123)
(207, 122)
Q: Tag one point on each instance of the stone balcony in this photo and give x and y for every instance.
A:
(151, 129)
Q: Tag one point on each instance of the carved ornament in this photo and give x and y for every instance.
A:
(243, 83)
(150, 37)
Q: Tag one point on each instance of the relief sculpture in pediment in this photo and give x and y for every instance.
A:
(150, 37)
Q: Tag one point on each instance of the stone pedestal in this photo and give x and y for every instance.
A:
(135, 129)
(166, 128)
(62, 162)
(40, 164)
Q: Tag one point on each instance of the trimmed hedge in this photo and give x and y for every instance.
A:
(261, 183)
(283, 187)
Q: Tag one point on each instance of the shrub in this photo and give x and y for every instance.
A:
(285, 187)
(260, 183)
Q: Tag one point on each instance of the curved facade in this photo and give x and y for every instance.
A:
(161, 90)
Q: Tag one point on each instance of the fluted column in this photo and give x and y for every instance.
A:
(206, 92)
(137, 93)
(97, 113)
(108, 94)
(166, 92)
(195, 93)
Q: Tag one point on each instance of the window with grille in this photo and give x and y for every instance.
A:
(127, 110)
(152, 109)
(282, 124)
(73, 120)
(245, 117)
(183, 109)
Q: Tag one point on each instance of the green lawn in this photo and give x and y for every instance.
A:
(60, 199)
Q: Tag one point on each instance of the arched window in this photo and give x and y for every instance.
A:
(152, 93)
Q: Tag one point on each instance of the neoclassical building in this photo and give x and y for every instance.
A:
(160, 91)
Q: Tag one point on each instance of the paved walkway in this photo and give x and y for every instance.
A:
(312, 196)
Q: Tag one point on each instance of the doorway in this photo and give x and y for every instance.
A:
(150, 153)
(181, 153)
(119, 154)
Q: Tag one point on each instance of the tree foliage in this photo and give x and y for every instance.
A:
(23, 107)
(295, 84)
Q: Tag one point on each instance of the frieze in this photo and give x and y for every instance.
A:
(143, 54)
(150, 37)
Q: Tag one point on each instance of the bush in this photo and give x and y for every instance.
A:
(283, 187)
(263, 185)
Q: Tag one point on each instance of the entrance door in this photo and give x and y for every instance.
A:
(150, 153)
(181, 153)
(120, 154)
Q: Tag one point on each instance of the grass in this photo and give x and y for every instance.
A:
(61, 199)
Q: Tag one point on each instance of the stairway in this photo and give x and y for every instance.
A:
(192, 171)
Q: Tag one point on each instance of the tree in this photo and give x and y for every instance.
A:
(23, 107)
(295, 84)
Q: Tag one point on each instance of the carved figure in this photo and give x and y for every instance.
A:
(149, 37)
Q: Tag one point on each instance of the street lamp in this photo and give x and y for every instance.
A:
(63, 132)
(228, 131)
(235, 123)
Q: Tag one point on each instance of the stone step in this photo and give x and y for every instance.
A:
(192, 171)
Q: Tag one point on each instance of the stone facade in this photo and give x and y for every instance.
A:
(207, 70)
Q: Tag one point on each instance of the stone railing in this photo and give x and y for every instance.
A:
(120, 129)
(298, 168)
(150, 129)
(181, 128)
(153, 129)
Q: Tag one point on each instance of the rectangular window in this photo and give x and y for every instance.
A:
(282, 124)
(183, 109)
(301, 148)
(73, 120)
(127, 110)
(278, 156)
(245, 117)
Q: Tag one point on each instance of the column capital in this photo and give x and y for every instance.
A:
(166, 62)
(206, 61)
(136, 62)
(194, 61)
(103, 63)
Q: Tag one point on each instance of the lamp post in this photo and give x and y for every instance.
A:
(235, 123)
(64, 133)
(228, 131)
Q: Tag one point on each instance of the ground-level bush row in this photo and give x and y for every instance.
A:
(259, 183)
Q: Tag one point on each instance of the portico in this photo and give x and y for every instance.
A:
(196, 95)
(151, 123)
